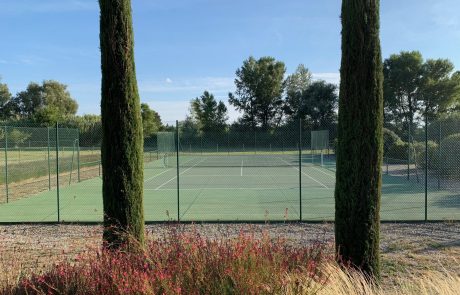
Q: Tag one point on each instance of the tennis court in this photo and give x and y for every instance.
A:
(236, 187)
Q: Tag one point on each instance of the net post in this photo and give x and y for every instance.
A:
(426, 166)
(49, 160)
(6, 164)
(300, 169)
(71, 163)
(57, 172)
(177, 170)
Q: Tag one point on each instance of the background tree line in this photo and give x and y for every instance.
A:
(50, 102)
(267, 100)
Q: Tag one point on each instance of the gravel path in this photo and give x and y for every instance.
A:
(74, 237)
(407, 248)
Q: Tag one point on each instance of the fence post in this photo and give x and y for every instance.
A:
(6, 164)
(177, 170)
(426, 166)
(49, 160)
(57, 172)
(386, 161)
(255, 142)
(408, 153)
(300, 168)
(439, 157)
(78, 154)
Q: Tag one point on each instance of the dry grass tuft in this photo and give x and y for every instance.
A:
(342, 282)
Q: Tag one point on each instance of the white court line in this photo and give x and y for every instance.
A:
(330, 175)
(148, 179)
(241, 168)
(245, 175)
(176, 175)
(305, 174)
(223, 188)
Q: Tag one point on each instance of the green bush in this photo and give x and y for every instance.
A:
(450, 155)
(393, 146)
(433, 154)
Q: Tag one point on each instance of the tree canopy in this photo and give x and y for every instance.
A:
(5, 98)
(413, 86)
(151, 121)
(209, 114)
(46, 103)
(259, 88)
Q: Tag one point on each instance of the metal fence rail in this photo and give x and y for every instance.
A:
(235, 173)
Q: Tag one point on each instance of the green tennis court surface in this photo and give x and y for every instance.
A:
(248, 187)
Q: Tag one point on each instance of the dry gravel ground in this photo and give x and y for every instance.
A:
(407, 248)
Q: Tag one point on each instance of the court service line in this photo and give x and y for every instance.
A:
(245, 175)
(176, 175)
(224, 188)
(305, 174)
(148, 179)
(330, 175)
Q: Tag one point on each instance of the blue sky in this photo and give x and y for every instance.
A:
(184, 47)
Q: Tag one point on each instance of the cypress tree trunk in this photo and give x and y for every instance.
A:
(360, 143)
(122, 142)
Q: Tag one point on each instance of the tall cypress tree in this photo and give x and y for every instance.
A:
(122, 142)
(360, 148)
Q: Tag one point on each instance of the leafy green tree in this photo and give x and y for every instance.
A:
(440, 88)
(413, 86)
(360, 141)
(17, 137)
(209, 114)
(90, 128)
(122, 142)
(296, 84)
(46, 103)
(319, 104)
(5, 99)
(151, 121)
(259, 88)
(402, 78)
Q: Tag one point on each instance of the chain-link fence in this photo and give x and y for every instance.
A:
(230, 173)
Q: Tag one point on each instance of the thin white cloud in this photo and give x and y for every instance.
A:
(172, 110)
(212, 84)
(443, 15)
(333, 78)
(181, 91)
(46, 6)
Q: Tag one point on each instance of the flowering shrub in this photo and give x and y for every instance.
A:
(184, 263)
